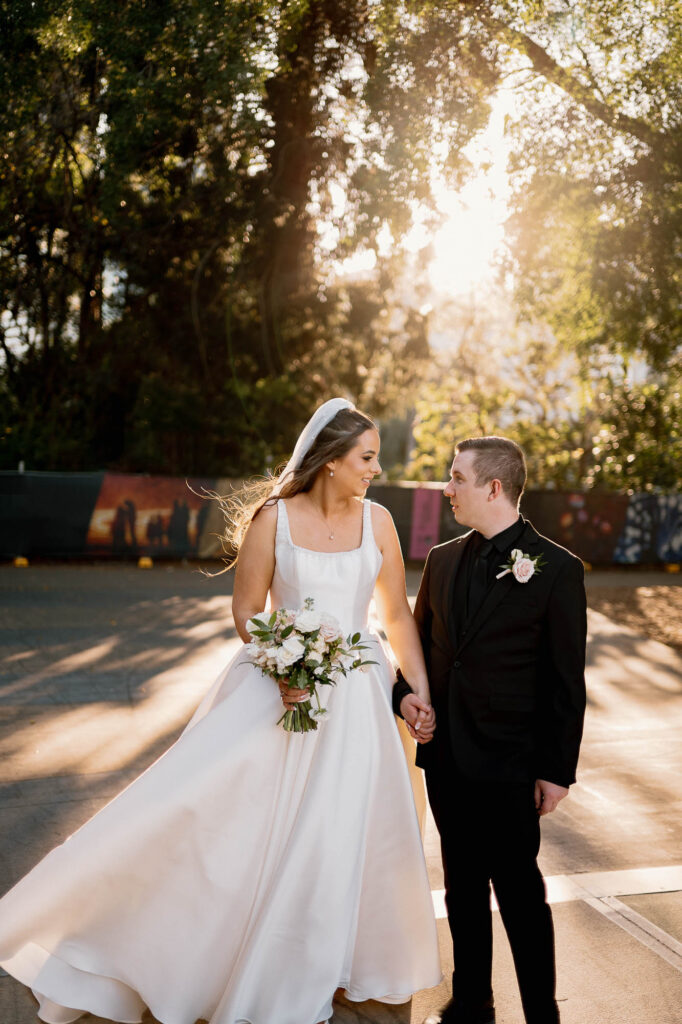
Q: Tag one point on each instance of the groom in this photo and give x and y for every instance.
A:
(501, 614)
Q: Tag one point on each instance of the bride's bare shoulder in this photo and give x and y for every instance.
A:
(382, 521)
(380, 513)
(264, 522)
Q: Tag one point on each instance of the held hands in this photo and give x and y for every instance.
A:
(420, 718)
(547, 796)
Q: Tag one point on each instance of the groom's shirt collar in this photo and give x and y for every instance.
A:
(504, 540)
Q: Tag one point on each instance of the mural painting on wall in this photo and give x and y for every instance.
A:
(138, 515)
(652, 531)
(587, 523)
(425, 526)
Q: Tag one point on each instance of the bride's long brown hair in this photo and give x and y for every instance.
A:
(241, 508)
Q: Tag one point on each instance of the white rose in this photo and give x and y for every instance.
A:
(256, 653)
(523, 569)
(289, 652)
(294, 646)
(313, 657)
(270, 653)
(516, 553)
(307, 620)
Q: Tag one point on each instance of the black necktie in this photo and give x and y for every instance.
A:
(479, 578)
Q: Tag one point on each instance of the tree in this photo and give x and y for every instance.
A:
(161, 181)
(170, 216)
(638, 446)
(598, 220)
(581, 419)
(501, 378)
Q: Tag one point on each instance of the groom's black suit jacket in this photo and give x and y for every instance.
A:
(508, 687)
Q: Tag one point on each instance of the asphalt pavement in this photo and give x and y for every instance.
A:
(103, 665)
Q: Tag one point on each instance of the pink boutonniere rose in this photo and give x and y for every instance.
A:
(522, 566)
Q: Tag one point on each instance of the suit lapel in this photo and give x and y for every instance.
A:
(449, 587)
(528, 540)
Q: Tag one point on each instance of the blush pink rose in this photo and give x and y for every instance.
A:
(329, 628)
(523, 569)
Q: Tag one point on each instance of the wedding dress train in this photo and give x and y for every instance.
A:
(249, 872)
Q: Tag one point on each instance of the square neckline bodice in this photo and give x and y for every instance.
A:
(367, 531)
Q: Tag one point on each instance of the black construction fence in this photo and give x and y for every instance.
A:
(117, 515)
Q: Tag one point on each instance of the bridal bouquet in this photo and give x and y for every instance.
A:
(304, 650)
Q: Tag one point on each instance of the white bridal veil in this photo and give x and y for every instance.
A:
(317, 422)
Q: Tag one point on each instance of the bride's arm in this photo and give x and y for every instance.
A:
(392, 606)
(255, 569)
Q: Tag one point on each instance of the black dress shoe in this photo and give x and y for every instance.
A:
(457, 1013)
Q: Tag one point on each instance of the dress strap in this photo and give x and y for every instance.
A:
(367, 531)
(283, 532)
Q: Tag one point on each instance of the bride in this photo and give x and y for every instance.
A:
(250, 872)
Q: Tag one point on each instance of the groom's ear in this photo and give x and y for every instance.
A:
(495, 490)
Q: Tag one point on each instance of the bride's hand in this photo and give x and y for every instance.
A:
(420, 718)
(291, 697)
(427, 727)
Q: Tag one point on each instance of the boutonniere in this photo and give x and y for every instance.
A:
(521, 565)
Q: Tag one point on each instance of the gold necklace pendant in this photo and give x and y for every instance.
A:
(324, 519)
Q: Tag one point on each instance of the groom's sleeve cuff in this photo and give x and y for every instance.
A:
(401, 688)
(552, 773)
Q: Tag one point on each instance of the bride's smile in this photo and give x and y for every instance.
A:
(355, 471)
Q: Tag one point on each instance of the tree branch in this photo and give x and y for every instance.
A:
(553, 72)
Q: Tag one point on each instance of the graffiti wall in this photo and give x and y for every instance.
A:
(652, 531)
(116, 515)
(151, 515)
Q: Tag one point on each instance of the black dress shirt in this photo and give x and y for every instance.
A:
(498, 553)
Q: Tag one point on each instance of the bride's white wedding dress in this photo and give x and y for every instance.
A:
(249, 872)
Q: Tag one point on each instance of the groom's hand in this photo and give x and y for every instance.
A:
(420, 718)
(548, 795)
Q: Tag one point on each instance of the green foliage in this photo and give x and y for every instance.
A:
(639, 444)
(169, 232)
(162, 170)
(501, 380)
(597, 226)
(581, 420)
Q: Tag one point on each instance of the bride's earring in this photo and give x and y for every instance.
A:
(331, 472)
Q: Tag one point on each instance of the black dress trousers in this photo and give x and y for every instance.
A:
(494, 836)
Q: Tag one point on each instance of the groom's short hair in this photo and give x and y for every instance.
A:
(497, 458)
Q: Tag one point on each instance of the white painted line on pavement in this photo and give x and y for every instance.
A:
(596, 885)
(640, 928)
(599, 889)
(631, 882)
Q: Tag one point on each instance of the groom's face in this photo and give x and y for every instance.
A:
(468, 500)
